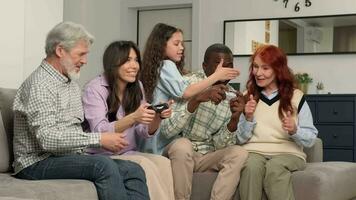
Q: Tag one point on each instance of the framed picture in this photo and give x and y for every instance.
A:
(267, 25)
(267, 37)
(255, 45)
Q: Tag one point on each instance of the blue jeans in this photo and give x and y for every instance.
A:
(113, 179)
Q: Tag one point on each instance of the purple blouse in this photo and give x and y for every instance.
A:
(95, 112)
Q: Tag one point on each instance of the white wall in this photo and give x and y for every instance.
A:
(22, 41)
(24, 28)
(40, 17)
(336, 71)
(100, 18)
(12, 43)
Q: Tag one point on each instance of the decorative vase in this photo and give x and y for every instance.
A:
(304, 87)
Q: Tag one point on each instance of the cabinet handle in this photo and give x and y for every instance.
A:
(335, 136)
(335, 112)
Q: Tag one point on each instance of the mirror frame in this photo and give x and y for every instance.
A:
(284, 18)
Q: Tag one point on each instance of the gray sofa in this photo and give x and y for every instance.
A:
(319, 181)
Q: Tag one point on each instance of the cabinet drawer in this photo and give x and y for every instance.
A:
(338, 155)
(335, 111)
(336, 136)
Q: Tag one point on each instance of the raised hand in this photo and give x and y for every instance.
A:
(288, 124)
(144, 115)
(237, 105)
(250, 108)
(225, 73)
(113, 142)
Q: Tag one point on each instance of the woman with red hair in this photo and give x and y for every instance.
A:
(277, 125)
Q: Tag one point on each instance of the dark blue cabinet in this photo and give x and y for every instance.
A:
(334, 117)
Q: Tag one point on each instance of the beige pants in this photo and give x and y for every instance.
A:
(158, 174)
(271, 173)
(228, 162)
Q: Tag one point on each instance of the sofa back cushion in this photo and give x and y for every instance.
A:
(4, 148)
(6, 128)
(315, 153)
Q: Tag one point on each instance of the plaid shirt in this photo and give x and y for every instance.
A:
(206, 128)
(47, 118)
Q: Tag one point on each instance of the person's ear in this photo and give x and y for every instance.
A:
(205, 67)
(60, 51)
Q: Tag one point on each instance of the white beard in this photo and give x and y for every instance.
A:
(74, 76)
(70, 69)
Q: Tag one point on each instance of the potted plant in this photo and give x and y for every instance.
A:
(303, 80)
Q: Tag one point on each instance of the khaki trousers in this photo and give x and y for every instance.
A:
(271, 173)
(158, 174)
(184, 160)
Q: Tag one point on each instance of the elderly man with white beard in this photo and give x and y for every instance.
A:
(49, 141)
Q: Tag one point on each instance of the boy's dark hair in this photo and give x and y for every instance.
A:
(216, 48)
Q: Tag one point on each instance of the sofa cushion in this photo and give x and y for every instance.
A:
(315, 153)
(6, 100)
(13, 188)
(325, 181)
(319, 181)
(4, 149)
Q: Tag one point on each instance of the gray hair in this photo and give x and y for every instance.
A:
(66, 34)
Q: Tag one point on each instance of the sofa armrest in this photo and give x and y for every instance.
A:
(6, 100)
(315, 153)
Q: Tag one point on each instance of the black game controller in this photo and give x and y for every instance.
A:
(230, 95)
(159, 107)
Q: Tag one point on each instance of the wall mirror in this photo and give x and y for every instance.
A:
(296, 36)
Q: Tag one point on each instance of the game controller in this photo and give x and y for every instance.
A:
(159, 107)
(230, 95)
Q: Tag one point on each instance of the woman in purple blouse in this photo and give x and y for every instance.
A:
(115, 102)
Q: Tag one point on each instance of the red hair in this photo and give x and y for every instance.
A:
(277, 59)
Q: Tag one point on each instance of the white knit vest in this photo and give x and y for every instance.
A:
(268, 136)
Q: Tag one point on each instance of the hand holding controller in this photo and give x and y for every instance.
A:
(230, 95)
(159, 107)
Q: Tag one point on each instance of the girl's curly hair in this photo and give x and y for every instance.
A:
(154, 54)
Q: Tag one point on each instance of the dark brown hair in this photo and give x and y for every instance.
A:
(277, 59)
(115, 55)
(154, 54)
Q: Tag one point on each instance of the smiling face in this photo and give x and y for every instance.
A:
(174, 47)
(213, 61)
(128, 71)
(72, 61)
(264, 75)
